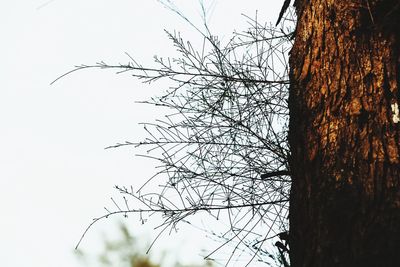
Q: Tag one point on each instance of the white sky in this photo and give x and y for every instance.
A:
(55, 175)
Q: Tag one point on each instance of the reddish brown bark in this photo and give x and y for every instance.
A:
(345, 134)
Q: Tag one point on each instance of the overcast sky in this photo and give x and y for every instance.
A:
(55, 175)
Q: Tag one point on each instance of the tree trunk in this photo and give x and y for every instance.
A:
(345, 134)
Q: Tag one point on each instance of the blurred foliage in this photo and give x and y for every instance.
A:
(127, 252)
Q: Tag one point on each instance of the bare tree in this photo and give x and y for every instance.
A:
(223, 148)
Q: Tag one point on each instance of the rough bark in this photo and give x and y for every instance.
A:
(345, 134)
